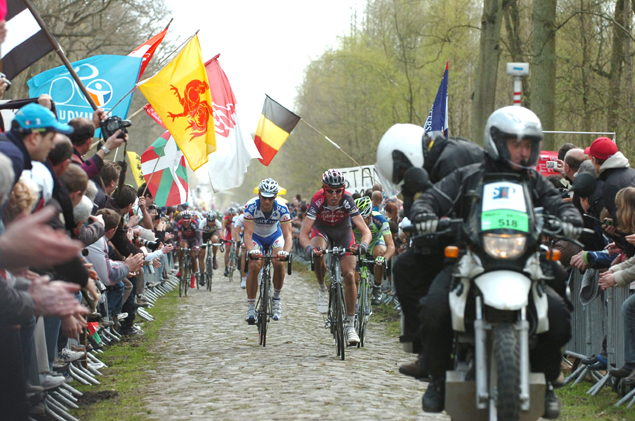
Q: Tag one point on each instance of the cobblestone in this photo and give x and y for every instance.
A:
(215, 369)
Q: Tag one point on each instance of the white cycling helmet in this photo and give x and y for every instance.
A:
(400, 147)
(513, 122)
(268, 187)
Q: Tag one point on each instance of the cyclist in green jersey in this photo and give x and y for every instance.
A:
(382, 246)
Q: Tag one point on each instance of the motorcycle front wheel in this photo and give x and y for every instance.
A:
(507, 353)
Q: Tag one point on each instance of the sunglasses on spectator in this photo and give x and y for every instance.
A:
(331, 191)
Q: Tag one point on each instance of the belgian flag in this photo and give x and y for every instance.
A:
(274, 127)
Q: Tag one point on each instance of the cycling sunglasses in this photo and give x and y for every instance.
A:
(332, 191)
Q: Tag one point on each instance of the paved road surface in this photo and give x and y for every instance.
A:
(215, 368)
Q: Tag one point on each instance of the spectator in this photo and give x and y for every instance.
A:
(392, 212)
(377, 187)
(613, 169)
(572, 161)
(60, 155)
(564, 148)
(377, 199)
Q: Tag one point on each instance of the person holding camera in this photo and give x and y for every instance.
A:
(82, 139)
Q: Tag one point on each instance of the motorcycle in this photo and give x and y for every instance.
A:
(497, 299)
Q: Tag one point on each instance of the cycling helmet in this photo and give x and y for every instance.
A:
(513, 123)
(400, 147)
(268, 187)
(211, 215)
(333, 179)
(186, 215)
(231, 210)
(365, 206)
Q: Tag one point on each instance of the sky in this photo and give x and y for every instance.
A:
(264, 45)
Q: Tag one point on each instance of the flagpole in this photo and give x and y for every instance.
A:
(60, 53)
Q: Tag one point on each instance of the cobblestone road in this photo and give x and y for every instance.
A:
(215, 368)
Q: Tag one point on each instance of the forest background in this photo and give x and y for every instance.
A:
(388, 67)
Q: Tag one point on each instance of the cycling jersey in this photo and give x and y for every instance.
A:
(191, 234)
(240, 221)
(206, 229)
(332, 215)
(266, 225)
(378, 229)
(227, 225)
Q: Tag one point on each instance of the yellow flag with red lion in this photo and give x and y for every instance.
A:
(180, 95)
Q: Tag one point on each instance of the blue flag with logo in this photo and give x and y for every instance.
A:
(107, 78)
(438, 118)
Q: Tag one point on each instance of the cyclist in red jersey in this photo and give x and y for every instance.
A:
(328, 224)
(190, 237)
(227, 234)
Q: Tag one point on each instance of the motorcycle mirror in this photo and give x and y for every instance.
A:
(584, 184)
(415, 180)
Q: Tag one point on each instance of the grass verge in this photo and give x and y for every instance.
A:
(121, 392)
(578, 406)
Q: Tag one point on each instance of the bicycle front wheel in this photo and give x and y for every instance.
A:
(209, 273)
(187, 274)
(362, 303)
(339, 321)
(263, 313)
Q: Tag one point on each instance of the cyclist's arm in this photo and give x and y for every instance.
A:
(249, 231)
(307, 225)
(390, 246)
(288, 237)
(199, 238)
(363, 228)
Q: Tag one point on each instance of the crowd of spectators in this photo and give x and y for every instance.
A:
(70, 232)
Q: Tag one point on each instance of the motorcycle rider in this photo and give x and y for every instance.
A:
(513, 140)
(404, 146)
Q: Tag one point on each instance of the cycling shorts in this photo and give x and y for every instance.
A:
(191, 242)
(274, 241)
(208, 235)
(337, 236)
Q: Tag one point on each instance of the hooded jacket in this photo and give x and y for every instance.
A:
(616, 174)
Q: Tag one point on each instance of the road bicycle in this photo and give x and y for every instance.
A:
(186, 272)
(336, 318)
(232, 260)
(364, 308)
(263, 304)
(209, 261)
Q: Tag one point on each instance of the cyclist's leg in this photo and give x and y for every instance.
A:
(379, 250)
(215, 248)
(278, 266)
(183, 246)
(350, 293)
(201, 260)
(254, 269)
(194, 262)
(319, 239)
(227, 252)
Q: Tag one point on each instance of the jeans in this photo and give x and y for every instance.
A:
(115, 296)
(26, 342)
(628, 312)
(52, 327)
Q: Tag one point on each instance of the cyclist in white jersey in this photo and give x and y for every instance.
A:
(267, 223)
(238, 226)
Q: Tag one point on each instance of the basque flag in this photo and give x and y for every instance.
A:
(438, 118)
(25, 43)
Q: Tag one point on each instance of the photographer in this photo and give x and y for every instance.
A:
(82, 140)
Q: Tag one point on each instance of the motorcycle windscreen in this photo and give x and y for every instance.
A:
(504, 207)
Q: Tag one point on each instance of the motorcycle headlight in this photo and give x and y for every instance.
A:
(504, 246)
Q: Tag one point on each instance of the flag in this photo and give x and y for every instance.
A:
(107, 78)
(227, 166)
(3, 9)
(135, 165)
(146, 50)
(163, 167)
(438, 118)
(274, 127)
(181, 96)
(25, 43)
(153, 115)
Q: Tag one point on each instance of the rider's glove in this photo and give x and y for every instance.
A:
(425, 222)
(379, 260)
(254, 252)
(308, 250)
(283, 255)
(363, 247)
(570, 231)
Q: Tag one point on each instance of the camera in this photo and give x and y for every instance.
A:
(6, 80)
(552, 164)
(151, 245)
(110, 125)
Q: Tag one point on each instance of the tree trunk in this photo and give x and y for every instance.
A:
(485, 87)
(516, 48)
(617, 65)
(543, 69)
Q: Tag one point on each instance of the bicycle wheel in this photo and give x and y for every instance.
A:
(187, 274)
(263, 313)
(209, 271)
(232, 265)
(339, 317)
(362, 302)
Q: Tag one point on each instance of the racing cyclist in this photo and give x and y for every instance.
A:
(227, 234)
(267, 222)
(382, 247)
(190, 237)
(237, 234)
(328, 224)
(210, 229)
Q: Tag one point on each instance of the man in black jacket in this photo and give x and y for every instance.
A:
(513, 140)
